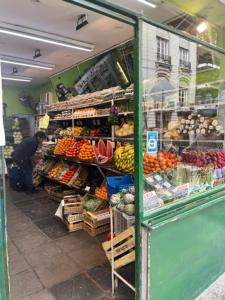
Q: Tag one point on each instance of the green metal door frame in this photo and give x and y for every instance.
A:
(4, 267)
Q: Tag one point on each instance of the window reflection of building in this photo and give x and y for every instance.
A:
(167, 56)
(183, 97)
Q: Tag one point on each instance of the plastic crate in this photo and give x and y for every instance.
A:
(121, 221)
(117, 183)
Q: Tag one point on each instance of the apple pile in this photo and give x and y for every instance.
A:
(204, 158)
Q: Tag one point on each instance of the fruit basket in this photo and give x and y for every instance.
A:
(125, 130)
(87, 154)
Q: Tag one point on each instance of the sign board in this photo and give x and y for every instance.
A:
(181, 190)
(152, 142)
(151, 201)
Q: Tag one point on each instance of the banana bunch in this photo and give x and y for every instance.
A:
(124, 158)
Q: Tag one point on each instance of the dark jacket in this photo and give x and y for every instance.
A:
(25, 150)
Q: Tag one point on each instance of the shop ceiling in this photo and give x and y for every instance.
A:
(59, 18)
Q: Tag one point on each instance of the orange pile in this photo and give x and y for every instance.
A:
(159, 162)
(86, 152)
(101, 193)
(55, 171)
(63, 145)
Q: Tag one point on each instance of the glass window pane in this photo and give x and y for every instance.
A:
(183, 117)
(202, 19)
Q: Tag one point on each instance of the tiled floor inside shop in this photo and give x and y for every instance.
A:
(47, 262)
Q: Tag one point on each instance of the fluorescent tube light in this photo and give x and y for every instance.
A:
(26, 63)
(147, 3)
(16, 78)
(202, 27)
(44, 37)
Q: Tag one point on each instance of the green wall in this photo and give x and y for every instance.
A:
(68, 78)
(11, 98)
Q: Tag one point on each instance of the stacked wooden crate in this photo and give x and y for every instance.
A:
(97, 222)
(73, 212)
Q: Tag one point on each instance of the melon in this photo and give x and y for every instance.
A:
(109, 150)
(101, 148)
(96, 151)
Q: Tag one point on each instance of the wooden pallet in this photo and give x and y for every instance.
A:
(97, 219)
(96, 231)
(73, 226)
(123, 248)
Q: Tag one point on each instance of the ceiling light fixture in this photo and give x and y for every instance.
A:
(147, 3)
(16, 78)
(25, 63)
(44, 37)
(202, 27)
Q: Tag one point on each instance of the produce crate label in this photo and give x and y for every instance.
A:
(181, 190)
(152, 142)
(103, 216)
(151, 201)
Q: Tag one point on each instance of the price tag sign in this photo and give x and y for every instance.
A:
(151, 201)
(181, 190)
(152, 142)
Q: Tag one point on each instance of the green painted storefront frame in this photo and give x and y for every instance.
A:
(4, 265)
(163, 216)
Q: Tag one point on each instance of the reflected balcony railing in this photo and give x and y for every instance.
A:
(164, 59)
(185, 64)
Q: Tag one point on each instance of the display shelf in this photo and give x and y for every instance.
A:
(89, 105)
(56, 180)
(185, 108)
(74, 160)
(96, 138)
(194, 141)
(92, 117)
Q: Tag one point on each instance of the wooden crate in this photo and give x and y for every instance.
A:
(73, 226)
(97, 219)
(123, 248)
(73, 204)
(96, 231)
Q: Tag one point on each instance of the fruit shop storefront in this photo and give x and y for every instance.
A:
(176, 155)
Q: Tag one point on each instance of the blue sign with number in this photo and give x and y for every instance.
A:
(152, 142)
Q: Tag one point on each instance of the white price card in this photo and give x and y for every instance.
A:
(151, 201)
